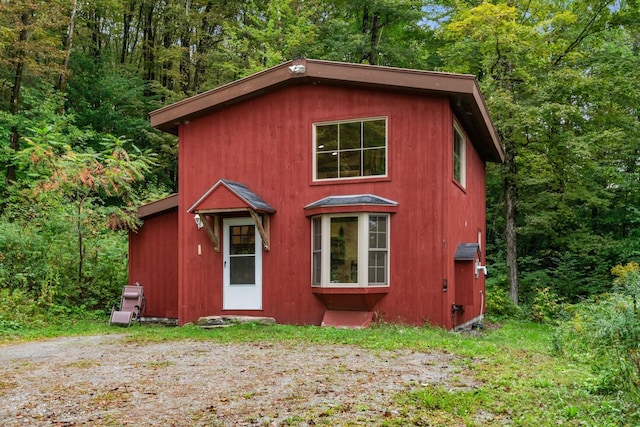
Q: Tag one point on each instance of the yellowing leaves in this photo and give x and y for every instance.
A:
(622, 271)
(485, 20)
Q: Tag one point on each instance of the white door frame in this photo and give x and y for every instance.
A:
(245, 296)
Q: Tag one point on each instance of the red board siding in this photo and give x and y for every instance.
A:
(468, 206)
(266, 144)
(153, 262)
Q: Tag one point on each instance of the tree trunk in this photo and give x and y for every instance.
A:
(93, 23)
(14, 143)
(62, 81)
(204, 45)
(126, 27)
(370, 27)
(375, 26)
(80, 249)
(510, 197)
(148, 47)
(167, 65)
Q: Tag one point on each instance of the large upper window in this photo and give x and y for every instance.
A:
(459, 156)
(350, 250)
(350, 149)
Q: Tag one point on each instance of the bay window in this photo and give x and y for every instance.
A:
(350, 250)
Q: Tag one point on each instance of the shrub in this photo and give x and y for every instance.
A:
(17, 309)
(546, 306)
(500, 305)
(606, 333)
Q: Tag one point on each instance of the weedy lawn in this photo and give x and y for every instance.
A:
(518, 379)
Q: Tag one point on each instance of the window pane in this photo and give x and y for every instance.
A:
(242, 239)
(378, 268)
(242, 247)
(317, 269)
(326, 137)
(457, 156)
(317, 234)
(242, 270)
(377, 232)
(374, 134)
(349, 163)
(378, 229)
(344, 250)
(351, 149)
(374, 162)
(327, 166)
(316, 225)
(350, 135)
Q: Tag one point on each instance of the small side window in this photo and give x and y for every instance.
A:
(459, 156)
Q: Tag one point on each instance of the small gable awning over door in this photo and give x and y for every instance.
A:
(227, 196)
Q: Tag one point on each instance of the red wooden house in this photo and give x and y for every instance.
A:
(319, 192)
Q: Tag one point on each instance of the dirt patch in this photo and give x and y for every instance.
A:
(105, 380)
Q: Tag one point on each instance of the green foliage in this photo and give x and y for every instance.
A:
(380, 32)
(546, 306)
(569, 144)
(500, 305)
(56, 242)
(605, 332)
(17, 309)
(39, 260)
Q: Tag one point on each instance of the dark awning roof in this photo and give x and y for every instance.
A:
(467, 252)
(246, 199)
(351, 200)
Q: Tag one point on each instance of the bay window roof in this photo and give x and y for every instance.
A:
(351, 203)
(350, 200)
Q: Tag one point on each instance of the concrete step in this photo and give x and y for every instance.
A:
(228, 320)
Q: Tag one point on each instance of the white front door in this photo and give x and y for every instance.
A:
(242, 265)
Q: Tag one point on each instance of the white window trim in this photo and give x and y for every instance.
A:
(463, 156)
(363, 251)
(366, 119)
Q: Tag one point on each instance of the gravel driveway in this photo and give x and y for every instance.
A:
(109, 381)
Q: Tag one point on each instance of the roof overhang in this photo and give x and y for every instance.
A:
(461, 89)
(158, 206)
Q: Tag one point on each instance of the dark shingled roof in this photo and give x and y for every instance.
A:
(251, 198)
(242, 191)
(467, 252)
(351, 200)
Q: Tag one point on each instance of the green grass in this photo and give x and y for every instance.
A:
(519, 380)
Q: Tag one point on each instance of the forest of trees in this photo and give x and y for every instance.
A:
(78, 77)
